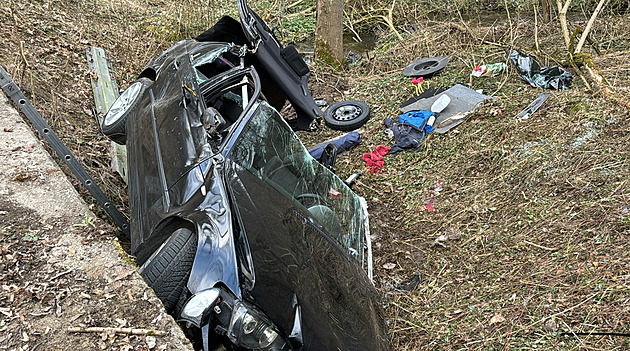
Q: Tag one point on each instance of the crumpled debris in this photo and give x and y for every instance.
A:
(342, 143)
(418, 119)
(428, 93)
(411, 283)
(429, 205)
(540, 76)
(444, 238)
(407, 136)
(389, 265)
(493, 69)
(533, 107)
(463, 101)
(374, 160)
(437, 188)
(334, 193)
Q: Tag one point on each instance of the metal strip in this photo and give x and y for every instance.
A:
(321, 233)
(14, 92)
(166, 201)
(105, 93)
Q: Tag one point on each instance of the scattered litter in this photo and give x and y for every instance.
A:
(351, 179)
(493, 69)
(389, 265)
(425, 67)
(429, 206)
(624, 211)
(8, 129)
(533, 107)
(437, 188)
(343, 143)
(151, 341)
(440, 104)
(540, 76)
(321, 103)
(374, 160)
(417, 83)
(412, 127)
(418, 119)
(407, 135)
(444, 238)
(463, 101)
(334, 193)
(411, 283)
(427, 93)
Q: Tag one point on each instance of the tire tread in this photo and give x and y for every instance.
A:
(167, 274)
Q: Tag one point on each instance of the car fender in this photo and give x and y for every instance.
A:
(215, 260)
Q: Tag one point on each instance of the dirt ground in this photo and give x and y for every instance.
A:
(526, 245)
(60, 267)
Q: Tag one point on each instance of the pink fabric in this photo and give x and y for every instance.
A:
(374, 161)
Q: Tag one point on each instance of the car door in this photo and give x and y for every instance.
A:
(306, 249)
(284, 65)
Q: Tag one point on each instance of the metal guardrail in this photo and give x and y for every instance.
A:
(105, 93)
(13, 91)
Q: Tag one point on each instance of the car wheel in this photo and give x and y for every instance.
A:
(113, 125)
(347, 115)
(167, 273)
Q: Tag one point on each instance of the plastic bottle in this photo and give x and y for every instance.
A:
(493, 69)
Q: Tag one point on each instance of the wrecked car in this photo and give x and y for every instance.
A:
(248, 241)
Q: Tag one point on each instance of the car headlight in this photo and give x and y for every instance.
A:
(198, 304)
(250, 329)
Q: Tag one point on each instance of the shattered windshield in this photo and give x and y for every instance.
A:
(204, 64)
(268, 148)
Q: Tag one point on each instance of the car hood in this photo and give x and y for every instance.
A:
(296, 267)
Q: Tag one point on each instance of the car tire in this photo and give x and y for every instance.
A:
(113, 124)
(347, 115)
(167, 273)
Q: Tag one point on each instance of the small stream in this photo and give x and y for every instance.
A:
(352, 48)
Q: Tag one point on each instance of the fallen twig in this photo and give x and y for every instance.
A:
(132, 331)
(61, 274)
(539, 246)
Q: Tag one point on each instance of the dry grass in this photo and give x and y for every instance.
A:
(535, 212)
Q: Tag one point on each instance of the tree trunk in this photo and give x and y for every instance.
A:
(546, 10)
(329, 32)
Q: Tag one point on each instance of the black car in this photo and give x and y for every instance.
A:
(249, 242)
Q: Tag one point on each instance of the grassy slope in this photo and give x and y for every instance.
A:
(533, 210)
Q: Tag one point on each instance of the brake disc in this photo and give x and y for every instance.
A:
(425, 66)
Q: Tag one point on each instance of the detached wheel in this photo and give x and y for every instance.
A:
(167, 273)
(347, 115)
(113, 125)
